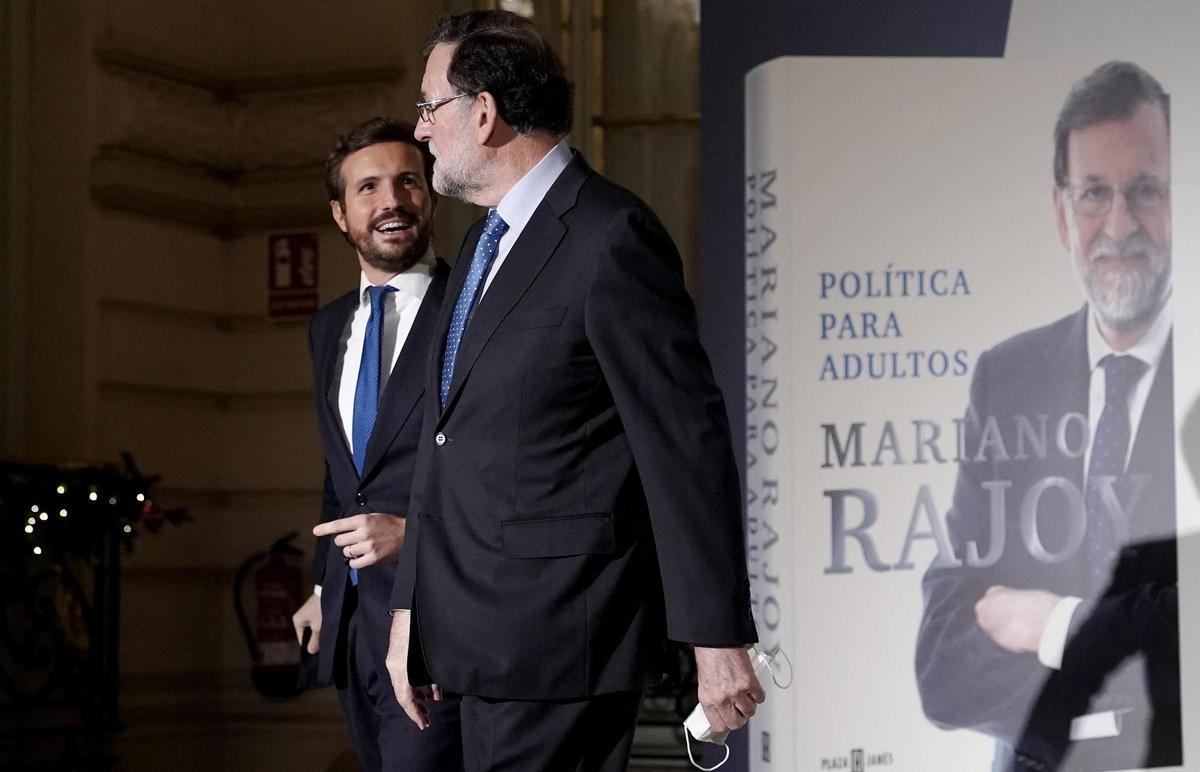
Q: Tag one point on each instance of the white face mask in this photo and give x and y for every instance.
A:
(696, 725)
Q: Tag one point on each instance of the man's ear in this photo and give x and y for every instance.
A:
(339, 215)
(487, 117)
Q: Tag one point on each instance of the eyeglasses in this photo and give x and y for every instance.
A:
(1143, 196)
(425, 109)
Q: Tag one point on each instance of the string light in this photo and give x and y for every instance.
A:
(127, 493)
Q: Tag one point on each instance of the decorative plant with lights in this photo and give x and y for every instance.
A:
(63, 532)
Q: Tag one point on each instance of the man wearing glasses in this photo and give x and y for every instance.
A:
(1058, 631)
(577, 501)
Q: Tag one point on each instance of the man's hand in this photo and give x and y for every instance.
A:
(728, 688)
(365, 539)
(308, 616)
(1015, 619)
(410, 699)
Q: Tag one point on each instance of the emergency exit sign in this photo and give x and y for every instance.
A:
(291, 275)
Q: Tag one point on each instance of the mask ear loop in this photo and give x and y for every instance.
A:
(687, 739)
(779, 652)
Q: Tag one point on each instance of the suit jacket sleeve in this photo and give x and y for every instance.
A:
(641, 325)
(329, 511)
(966, 680)
(405, 580)
(329, 500)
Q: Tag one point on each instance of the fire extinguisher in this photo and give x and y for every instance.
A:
(268, 588)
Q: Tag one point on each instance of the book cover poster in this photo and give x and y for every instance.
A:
(970, 385)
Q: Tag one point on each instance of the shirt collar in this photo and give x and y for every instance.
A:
(412, 282)
(1149, 349)
(522, 199)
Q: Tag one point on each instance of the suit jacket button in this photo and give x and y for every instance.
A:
(440, 438)
(360, 498)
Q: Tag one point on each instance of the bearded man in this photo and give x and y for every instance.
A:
(577, 503)
(1057, 633)
(368, 350)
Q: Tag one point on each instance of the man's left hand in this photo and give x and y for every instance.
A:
(1015, 619)
(365, 539)
(411, 699)
(728, 688)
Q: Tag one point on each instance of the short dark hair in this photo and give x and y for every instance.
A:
(372, 131)
(505, 55)
(1110, 93)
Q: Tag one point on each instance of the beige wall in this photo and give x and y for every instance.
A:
(651, 112)
(15, 126)
(148, 149)
(166, 141)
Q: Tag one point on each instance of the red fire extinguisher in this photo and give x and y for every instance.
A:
(269, 586)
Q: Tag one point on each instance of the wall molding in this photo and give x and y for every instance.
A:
(237, 87)
(225, 496)
(16, 96)
(230, 154)
(125, 179)
(194, 317)
(647, 121)
(220, 400)
(153, 703)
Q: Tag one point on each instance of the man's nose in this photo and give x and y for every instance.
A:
(422, 130)
(389, 196)
(1120, 222)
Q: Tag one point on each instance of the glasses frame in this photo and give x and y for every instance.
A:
(425, 110)
(1135, 210)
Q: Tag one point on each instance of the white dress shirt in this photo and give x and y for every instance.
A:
(523, 198)
(1150, 351)
(399, 311)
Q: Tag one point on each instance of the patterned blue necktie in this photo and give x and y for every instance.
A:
(485, 253)
(366, 393)
(1109, 449)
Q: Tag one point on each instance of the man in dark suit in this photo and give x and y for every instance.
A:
(578, 501)
(1056, 628)
(369, 349)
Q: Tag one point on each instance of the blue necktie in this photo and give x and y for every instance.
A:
(1109, 449)
(485, 253)
(366, 393)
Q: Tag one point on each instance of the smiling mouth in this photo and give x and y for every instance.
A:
(393, 226)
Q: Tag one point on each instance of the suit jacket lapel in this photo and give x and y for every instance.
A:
(1153, 445)
(537, 242)
(1079, 370)
(454, 285)
(402, 391)
(1071, 357)
(330, 342)
(1075, 358)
